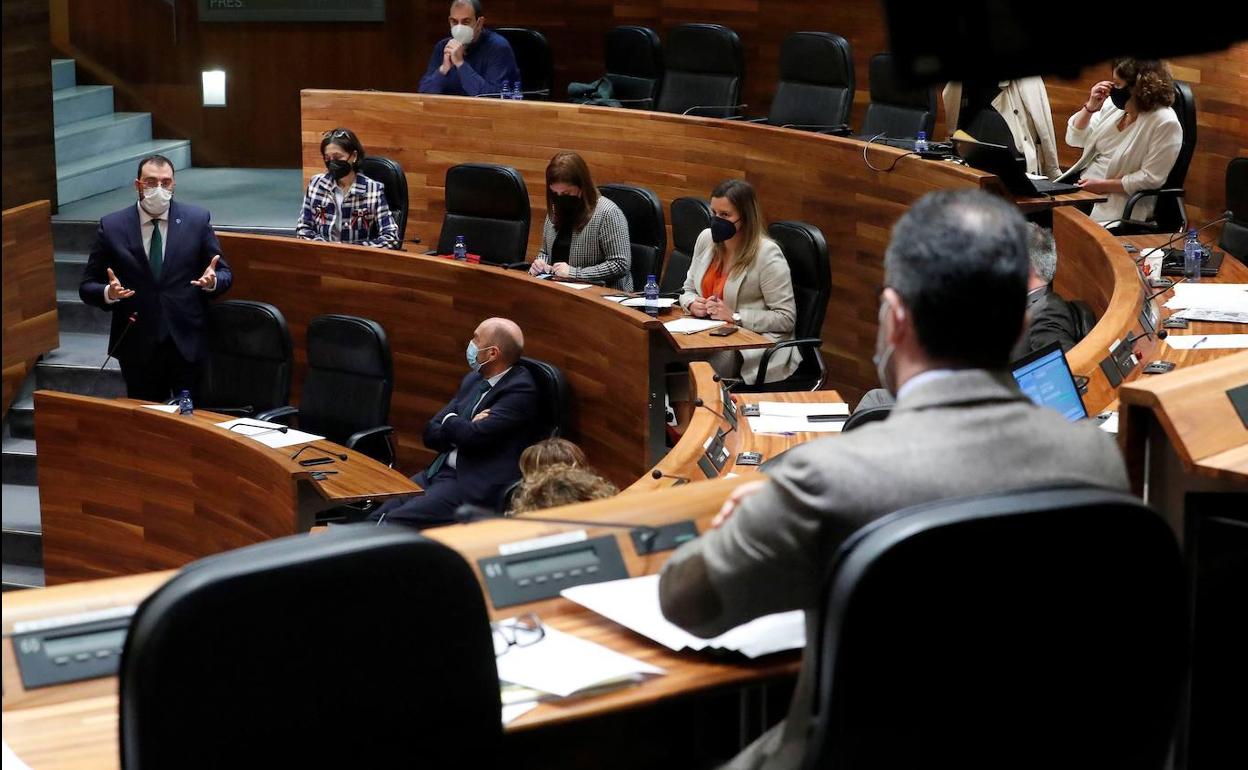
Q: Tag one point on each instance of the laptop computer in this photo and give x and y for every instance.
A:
(1172, 262)
(1044, 375)
(1000, 160)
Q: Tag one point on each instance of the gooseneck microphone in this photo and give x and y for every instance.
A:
(1165, 289)
(1134, 338)
(645, 535)
(265, 428)
(699, 402)
(134, 317)
(729, 382)
(317, 460)
(1226, 215)
(657, 474)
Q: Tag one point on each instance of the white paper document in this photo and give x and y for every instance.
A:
(166, 408)
(1217, 316)
(267, 433)
(634, 603)
(784, 418)
(562, 664)
(1207, 341)
(691, 325)
(1232, 297)
(11, 761)
(664, 302)
(514, 711)
(784, 426)
(577, 286)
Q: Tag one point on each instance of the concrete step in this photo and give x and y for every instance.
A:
(23, 533)
(64, 74)
(73, 236)
(69, 267)
(75, 141)
(70, 105)
(115, 168)
(75, 366)
(19, 461)
(21, 417)
(19, 576)
(78, 317)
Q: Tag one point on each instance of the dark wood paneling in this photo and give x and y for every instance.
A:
(29, 155)
(29, 282)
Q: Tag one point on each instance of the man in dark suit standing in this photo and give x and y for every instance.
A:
(479, 434)
(154, 266)
(1049, 317)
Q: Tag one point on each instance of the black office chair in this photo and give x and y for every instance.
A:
(489, 206)
(314, 651)
(1234, 238)
(987, 125)
(869, 414)
(647, 232)
(1085, 318)
(896, 111)
(690, 216)
(554, 399)
(390, 174)
(1012, 630)
(249, 361)
(806, 251)
(816, 89)
(346, 392)
(704, 70)
(634, 66)
(533, 58)
(1169, 215)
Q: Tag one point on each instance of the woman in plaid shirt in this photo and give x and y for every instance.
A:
(343, 205)
(585, 236)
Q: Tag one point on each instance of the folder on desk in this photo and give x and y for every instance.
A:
(562, 664)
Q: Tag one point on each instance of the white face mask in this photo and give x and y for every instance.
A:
(463, 33)
(883, 352)
(156, 200)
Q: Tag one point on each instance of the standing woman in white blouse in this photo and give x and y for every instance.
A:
(1129, 135)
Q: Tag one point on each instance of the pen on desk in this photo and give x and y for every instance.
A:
(1197, 342)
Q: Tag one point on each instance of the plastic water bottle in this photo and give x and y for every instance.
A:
(505, 91)
(461, 250)
(920, 144)
(184, 403)
(652, 296)
(1193, 253)
(518, 92)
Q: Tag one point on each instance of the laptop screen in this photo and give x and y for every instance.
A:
(1045, 377)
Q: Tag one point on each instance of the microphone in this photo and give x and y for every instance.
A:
(499, 95)
(134, 317)
(644, 535)
(657, 474)
(267, 429)
(1134, 338)
(715, 107)
(729, 382)
(1226, 215)
(1152, 297)
(699, 402)
(317, 460)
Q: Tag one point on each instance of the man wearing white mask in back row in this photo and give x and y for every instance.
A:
(154, 266)
(473, 61)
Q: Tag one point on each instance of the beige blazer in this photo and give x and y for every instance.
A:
(970, 432)
(1143, 159)
(762, 295)
(1024, 105)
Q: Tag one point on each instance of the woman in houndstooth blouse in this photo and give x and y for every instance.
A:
(585, 236)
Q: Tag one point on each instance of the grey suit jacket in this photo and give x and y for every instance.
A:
(763, 296)
(969, 433)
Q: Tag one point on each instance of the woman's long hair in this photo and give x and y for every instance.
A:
(740, 194)
(570, 168)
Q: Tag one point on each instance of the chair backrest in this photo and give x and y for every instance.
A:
(647, 232)
(489, 206)
(690, 216)
(1085, 317)
(533, 58)
(1015, 629)
(806, 251)
(634, 65)
(249, 360)
(1168, 213)
(861, 417)
(554, 399)
(897, 111)
(240, 656)
(1235, 232)
(390, 174)
(816, 86)
(987, 125)
(704, 68)
(350, 377)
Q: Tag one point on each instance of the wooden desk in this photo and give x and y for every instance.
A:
(75, 725)
(124, 489)
(29, 284)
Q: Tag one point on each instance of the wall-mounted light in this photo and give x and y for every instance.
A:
(214, 88)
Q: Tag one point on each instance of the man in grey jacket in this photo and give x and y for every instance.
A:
(956, 285)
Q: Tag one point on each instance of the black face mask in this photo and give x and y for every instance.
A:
(1119, 97)
(568, 210)
(338, 168)
(722, 230)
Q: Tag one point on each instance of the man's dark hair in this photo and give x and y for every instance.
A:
(476, 6)
(159, 160)
(958, 258)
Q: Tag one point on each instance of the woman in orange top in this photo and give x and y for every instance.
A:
(739, 275)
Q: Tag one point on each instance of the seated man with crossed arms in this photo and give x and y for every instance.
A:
(479, 435)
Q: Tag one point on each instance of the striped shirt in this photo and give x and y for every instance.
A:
(600, 250)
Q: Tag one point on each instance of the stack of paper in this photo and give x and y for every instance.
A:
(1228, 297)
(268, 433)
(785, 418)
(634, 604)
(691, 325)
(562, 664)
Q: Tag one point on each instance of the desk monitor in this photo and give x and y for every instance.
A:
(1009, 168)
(1044, 375)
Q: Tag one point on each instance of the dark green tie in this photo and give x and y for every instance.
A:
(155, 253)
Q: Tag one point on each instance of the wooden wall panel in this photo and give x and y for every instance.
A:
(29, 157)
(29, 283)
(268, 64)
